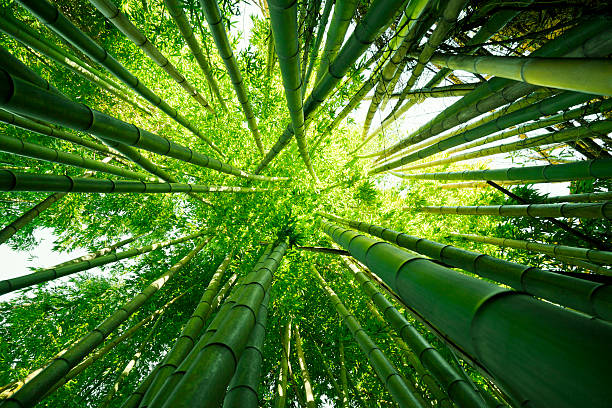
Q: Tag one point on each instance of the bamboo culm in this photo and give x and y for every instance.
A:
(483, 318)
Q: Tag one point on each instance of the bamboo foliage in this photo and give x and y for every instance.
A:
(215, 23)
(54, 19)
(588, 297)
(178, 15)
(213, 365)
(386, 371)
(45, 275)
(123, 24)
(36, 388)
(101, 252)
(60, 110)
(283, 17)
(484, 318)
(189, 334)
(560, 73)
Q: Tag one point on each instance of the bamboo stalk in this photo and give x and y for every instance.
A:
(11, 229)
(281, 389)
(36, 388)
(586, 197)
(310, 402)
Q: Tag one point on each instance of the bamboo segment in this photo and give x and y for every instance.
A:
(591, 129)
(591, 255)
(386, 371)
(19, 96)
(12, 181)
(436, 92)
(310, 402)
(123, 24)
(214, 361)
(343, 14)
(586, 197)
(281, 388)
(45, 275)
(425, 358)
(12, 228)
(178, 15)
(588, 39)
(560, 73)
(343, 377)
(283, 17)
(189, 335)
(483, 319)
(579, 170)
(378, 17)
(19, 147)
(591, 298)
(242, 390)
(36, 388)
(54, 19)
(215, 23)
(317, 44)
(548, 106)
(567, 210)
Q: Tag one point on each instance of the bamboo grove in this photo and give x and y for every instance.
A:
(352, 203)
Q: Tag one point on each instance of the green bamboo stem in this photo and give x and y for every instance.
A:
(134, 399)
(600, 270)
(11, 229)
(428, 362)
(123, 24)
(586, 197)
(386, 371)
(310, 401)
(341, 18)
(378, 17)
(12, 181)
(43, 129)
(294, 385)
(45, 275)
(100, 252)
(483, 184)
(28, 37)
(483, 318)
(435, 92)
(283, 19)
(547, 106)
(54, 19)
(36, 388)
(588, 297)
(592, 129)
(214, 361)
(22, 97)
(108, 398)
(586, 40)
(591, 255)
(443, 25)
(216, 323)
(595, 107)
(215, 23)
(579, 170)
(189, 334)
(178, 15)
(408, 34)
(566, 210)
(314, 51)
(559, 73)
(343, 377)
(281, 387)
(19, 147)
(243, 389)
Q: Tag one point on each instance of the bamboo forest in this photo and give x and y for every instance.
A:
(305, 203)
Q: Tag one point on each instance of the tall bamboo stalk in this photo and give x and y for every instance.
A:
(36, 388)
(123, 24)
(214, 359)
(18, 96)
(310, 402)
(45, 275)
(343, 377)
(435, 92)
(281, 387)
(215, 23)
(283, 18)
(314, 52)
(178, 15)
(586, 197)
(51, 16)
(11, 229)
(386, 371)
(588, 297)
(483, 318)
(189, 334)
